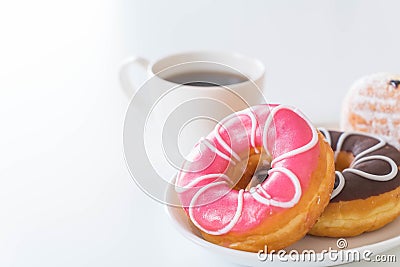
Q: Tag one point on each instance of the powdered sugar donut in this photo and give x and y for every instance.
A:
(221, 190)
(373, 105)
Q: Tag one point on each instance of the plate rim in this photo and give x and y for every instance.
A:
(376, 248)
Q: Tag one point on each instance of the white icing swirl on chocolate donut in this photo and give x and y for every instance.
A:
(336, 191)
(361, 158)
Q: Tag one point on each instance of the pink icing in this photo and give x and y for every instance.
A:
(205, 192)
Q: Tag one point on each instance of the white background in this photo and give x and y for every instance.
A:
(66, 198)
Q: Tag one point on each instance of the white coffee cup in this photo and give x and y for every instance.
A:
(250, 67)
(178, 115)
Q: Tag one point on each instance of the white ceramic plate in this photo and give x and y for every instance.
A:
(368, 244)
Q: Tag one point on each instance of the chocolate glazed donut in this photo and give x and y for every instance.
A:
(366, 194)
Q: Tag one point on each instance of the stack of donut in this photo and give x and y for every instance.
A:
(265, 177)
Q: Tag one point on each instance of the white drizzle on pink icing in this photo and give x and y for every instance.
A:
(265, 198)
(231, 224)
(247, 112)
(213, 148)
(190, 185)
(294, 179)
(259, 187)
(311, 144)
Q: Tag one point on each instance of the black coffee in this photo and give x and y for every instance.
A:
(206, 78)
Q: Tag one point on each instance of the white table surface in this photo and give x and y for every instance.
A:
(66, 197)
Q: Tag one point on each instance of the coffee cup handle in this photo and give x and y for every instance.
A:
(125, 74)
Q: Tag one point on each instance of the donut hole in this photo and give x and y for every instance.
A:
(343, 160)
(255, 168)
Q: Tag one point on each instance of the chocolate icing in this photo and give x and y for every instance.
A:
(395, 83)
(358, 187)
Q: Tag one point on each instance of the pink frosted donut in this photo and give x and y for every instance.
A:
(217, 184)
